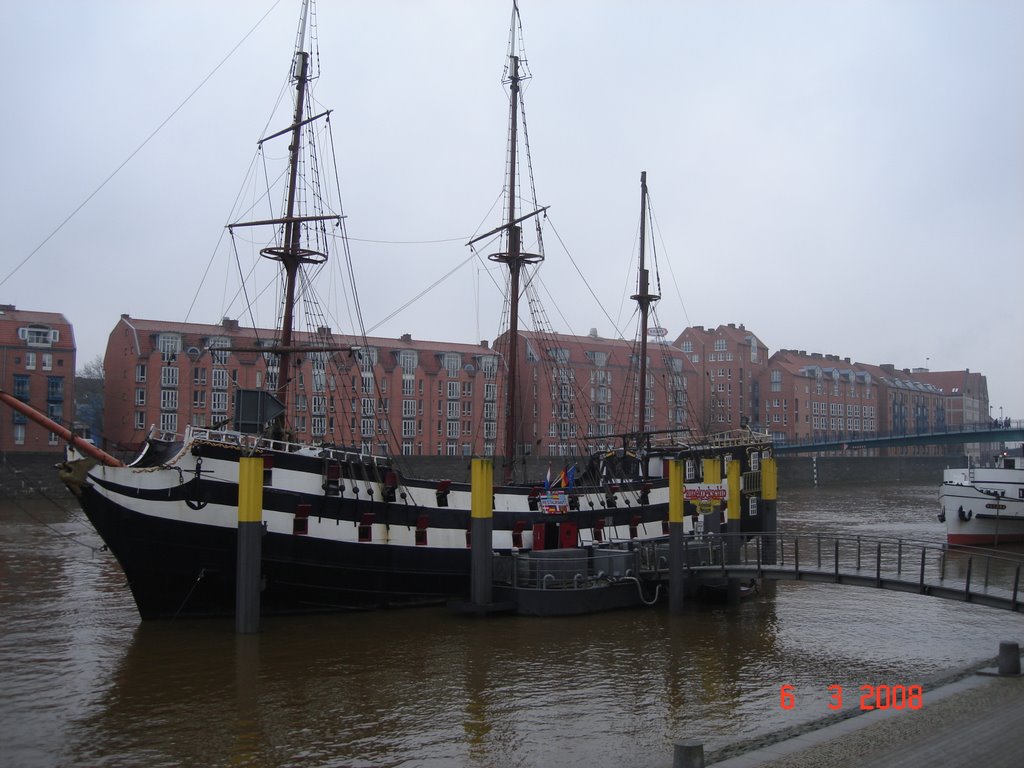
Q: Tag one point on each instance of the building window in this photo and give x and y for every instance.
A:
(219, 350)
(38, 335)
(21, 387)
(169, 345)
(220, 378)
(452, 362)
(489, 366)
(168, 400)
(367, 357)
(198, 398)
(219, 402)
(169, 422)
(19, 434)
(408, 360)
(168, 376)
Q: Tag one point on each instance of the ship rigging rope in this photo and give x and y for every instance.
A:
(139, 148)
(582, 277)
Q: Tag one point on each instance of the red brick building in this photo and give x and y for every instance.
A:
(728, 364)
(814, 398)
(37, 366)
(414, 397)
(965, 393)
(581, 390)
(404, 396)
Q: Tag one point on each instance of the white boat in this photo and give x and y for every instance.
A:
(984, 506)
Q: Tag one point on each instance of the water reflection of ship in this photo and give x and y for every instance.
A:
(397, 687)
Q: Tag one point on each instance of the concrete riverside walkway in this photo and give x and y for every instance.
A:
(975, 721)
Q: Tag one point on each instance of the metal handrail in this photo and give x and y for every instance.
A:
(970, 574)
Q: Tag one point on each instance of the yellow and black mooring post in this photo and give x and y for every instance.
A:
(481, 529)
(770, 522)
(250, 544)
(732, 526)
(676, 543)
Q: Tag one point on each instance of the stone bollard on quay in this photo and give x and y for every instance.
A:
(688, 754)
(1009, 659)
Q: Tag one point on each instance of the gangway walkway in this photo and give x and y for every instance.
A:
(970, 575)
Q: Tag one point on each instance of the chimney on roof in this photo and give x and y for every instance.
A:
(7, 308)
(228, 324)
(732, 325)
(406, 337)
(888, 368)
(125, 316)
(323, 330)
(593, 333)
(485, 344)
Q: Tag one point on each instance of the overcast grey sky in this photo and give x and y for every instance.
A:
(841, 177)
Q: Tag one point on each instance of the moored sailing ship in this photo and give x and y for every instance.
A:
(344, 528)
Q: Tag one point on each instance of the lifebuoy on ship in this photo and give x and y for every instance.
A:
(965, 516)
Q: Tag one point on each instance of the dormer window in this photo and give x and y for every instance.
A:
(169, 345)
(38, 335)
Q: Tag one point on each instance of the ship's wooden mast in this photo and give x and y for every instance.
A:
(290, 256)
(644, 298)
(515, 266)
(291, 252)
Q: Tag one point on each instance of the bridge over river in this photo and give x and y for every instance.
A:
(972, 575)
(1005, 431)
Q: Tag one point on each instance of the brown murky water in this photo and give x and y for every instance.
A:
(84, 682)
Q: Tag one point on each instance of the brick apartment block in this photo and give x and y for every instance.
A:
(37, 366)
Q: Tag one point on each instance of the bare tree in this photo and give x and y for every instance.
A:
(93, 369)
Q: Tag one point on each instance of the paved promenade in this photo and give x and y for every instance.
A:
(975, 721)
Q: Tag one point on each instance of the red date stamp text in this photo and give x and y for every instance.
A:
(871, 697)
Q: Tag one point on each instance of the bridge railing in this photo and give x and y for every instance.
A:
(971, 574)
(996, 430)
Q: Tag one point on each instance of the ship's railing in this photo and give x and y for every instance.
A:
(736, 437)
(261, 443)
(969, 574)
